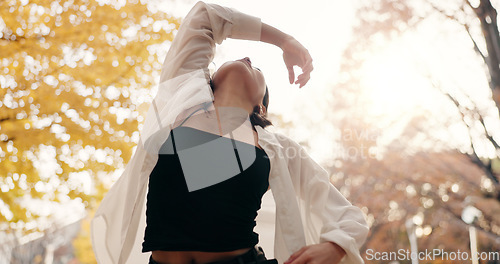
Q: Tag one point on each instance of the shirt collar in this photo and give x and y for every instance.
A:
(267, 137)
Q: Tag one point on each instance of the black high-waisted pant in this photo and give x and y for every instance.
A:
(253, 256)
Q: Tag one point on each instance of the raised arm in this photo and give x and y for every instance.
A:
(294, 54)
(205, 25)
(208, 24)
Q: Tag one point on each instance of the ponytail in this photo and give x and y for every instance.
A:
(256, 118)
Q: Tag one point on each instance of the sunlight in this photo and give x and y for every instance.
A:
(396, 91)
(391, 86)
(399, 85)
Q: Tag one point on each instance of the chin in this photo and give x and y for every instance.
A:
(240, 72)
(233, 67)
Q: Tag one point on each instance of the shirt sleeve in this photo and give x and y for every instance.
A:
(341, 222)
(205, 25)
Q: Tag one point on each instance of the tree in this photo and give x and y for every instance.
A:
(73, 72)
(383, 21)
(84, 251)
(430, 187)
(420, 170)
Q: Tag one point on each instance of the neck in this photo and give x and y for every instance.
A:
(231, 93)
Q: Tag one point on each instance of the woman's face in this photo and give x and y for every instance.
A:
(243, 73)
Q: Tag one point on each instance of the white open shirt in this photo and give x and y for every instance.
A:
(309, 209)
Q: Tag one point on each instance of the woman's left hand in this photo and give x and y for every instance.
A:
(323, 253)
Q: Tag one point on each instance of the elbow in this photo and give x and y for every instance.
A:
(353, 222)
(362, 234)
(361, 228)
(197, 8)
(199, 3)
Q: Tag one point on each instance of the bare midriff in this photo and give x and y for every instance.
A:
(194, 257)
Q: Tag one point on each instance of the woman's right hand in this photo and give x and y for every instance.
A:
(296, 54)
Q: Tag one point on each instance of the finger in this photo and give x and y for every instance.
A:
(304, 83)
(303, 76)
(303, 80)
(299, 83)
(291, 74)
(306, 58)
(308, 67)
(307, 63)
(305, 54)
(307, 70)
(301, 259)
(295, 255)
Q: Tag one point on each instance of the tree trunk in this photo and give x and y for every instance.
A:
(487, 15)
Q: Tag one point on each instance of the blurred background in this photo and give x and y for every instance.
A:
(402, 109)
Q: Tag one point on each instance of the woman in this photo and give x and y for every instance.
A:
(204, 153)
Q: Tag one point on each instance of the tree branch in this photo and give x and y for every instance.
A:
(487, 134)
(474, 158)
(476, 47)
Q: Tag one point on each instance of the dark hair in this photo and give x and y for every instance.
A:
(255, 118)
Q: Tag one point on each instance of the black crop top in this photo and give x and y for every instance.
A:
(217, 218)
